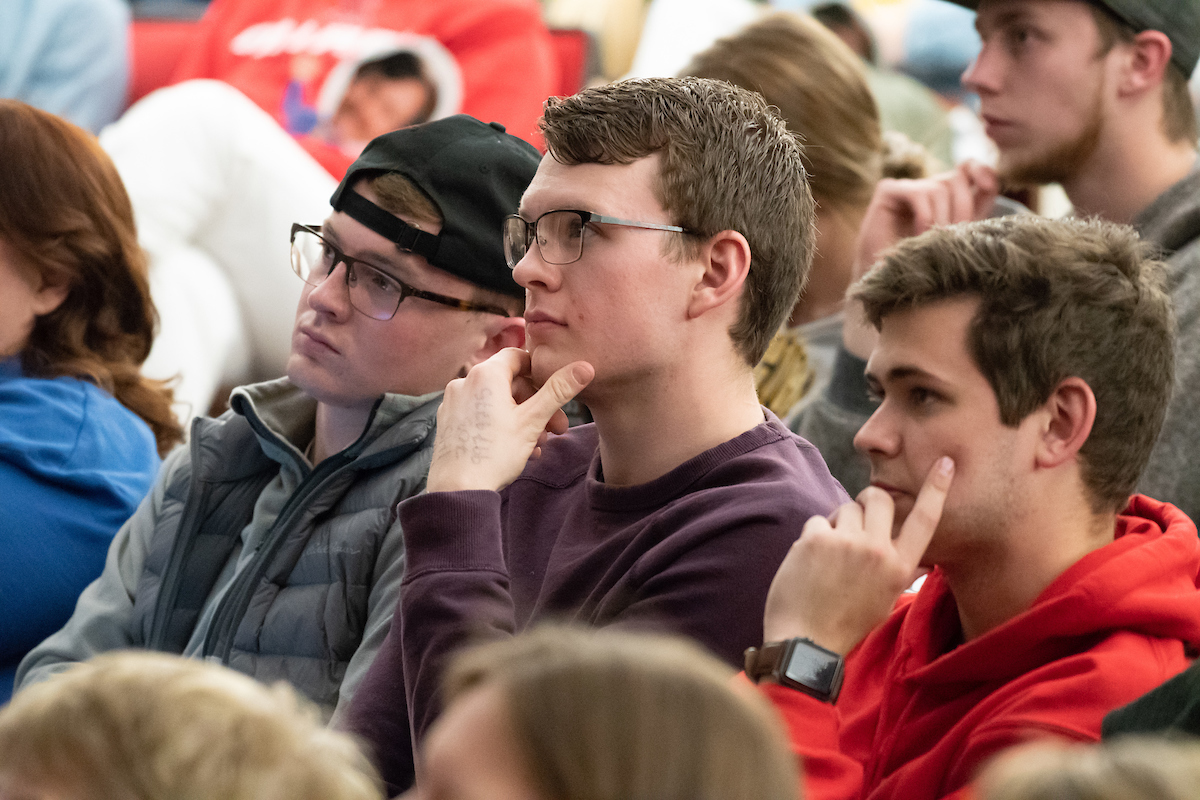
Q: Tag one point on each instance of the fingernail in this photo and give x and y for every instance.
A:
(580, 373)
(945, 466)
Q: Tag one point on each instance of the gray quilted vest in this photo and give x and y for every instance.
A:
(298, 610)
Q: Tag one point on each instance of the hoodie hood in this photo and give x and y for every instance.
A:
(1145, 582)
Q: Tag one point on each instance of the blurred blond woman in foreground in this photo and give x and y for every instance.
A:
(1133, 768)
(148, 726)
(569, 714)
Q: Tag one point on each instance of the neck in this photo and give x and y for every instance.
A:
(832, 267)
(649, 427)
(998, 581)
(337, 428)
(1123, 177)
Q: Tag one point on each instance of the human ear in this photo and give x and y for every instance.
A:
(500, 332)
(1149, 57)
(726, 261)
(51, 294)
(1070, 413)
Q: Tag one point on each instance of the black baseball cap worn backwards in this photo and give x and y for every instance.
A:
(1178, 19)
(475, 173)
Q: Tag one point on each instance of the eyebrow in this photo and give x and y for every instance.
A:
(901, 372)
(1004, 18)
(371, 258)
(560, 200)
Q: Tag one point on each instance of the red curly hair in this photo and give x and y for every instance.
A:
(64, 211)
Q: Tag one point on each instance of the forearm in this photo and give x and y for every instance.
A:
(813, 732)
(453, 585)
(456, 589)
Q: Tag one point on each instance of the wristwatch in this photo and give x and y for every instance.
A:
(800, 664)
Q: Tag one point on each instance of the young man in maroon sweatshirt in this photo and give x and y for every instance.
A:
(1023, 367)
(662, 242)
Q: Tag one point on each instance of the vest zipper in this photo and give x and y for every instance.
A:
(232, 608)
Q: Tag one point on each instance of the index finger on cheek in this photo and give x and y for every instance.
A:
(926, 513)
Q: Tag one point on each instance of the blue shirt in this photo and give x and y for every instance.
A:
(74, 464)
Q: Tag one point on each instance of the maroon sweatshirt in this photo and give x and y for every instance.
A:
(691, 552)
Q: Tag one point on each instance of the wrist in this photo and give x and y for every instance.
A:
(798, 663)
(457, 474)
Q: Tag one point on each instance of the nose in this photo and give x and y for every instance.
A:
(878, 437)
(982, 76)
(332, 295)
(532, 271)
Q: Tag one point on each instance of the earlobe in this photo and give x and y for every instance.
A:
(501, 332)
(726, 261)
(1070, 413)
(51, 295)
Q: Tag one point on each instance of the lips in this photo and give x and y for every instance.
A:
(541, 317)
(540, 323)
(895, 491)
(316, 339)
(997, 129)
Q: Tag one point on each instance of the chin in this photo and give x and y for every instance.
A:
(543, 364)
(303, 377)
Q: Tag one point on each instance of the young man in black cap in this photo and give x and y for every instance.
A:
(270, 544)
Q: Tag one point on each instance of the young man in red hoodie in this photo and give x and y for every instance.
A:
(1024, 367)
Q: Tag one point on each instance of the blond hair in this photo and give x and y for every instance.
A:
(819, 86)
(1135, 768)
(148, 726)
(612, 715)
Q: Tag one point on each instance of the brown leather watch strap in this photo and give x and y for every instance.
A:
(762, 662)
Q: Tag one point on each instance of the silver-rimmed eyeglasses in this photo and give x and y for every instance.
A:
(373, 292)
(559, 234)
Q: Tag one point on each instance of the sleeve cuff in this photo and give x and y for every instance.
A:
(452, 530)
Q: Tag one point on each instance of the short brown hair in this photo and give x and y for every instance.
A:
(156, 727)
(728, 163)
(399, 195)
(614, 715)
(1179, 113)
(819, 87)
(1058, 299)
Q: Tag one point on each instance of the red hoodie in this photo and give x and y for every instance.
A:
(285, 56)
(917, 716)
